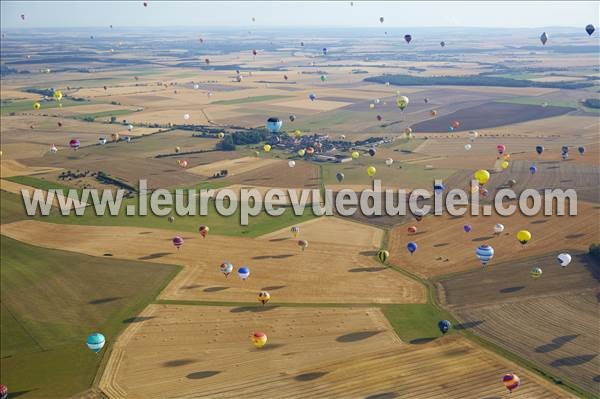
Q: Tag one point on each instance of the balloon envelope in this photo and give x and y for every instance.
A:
(511, 381)
(95, 342)
(411, 246)
(590, 29)
(539, 149)
(467, 228)
(274, 125)
(485, 253)
(482, 176)
(564, 259)
(243, 272)
(444, 326)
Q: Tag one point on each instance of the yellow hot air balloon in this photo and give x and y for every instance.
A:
(371, 171)
(267, 147)
(402, 102)
(355, 154)
(37, 106)
(259, 339)
(371, 106)
(301, 152)
(504, 165)
(220, 135)
(264, 297)
(297, 134)
(58, 95)
(114, 136)
(482, 176)
(523, 236)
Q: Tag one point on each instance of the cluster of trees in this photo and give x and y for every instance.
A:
(251, 136)
(106, 179)
(592, 102)
(595, 251)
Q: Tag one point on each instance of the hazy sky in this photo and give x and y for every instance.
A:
(297, 13)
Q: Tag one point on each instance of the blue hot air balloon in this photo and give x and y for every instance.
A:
(565, 156)
(581, 150)
(243, 272)
(312, 97)
(467, 228)
(324, 50)
(485, 253)
(450, 128)
(412, 247)
(533, 169)
(565, 149)
(590, 29)
(95, 342)
(274, 125)
(438, 188)
(539, 149)
(444, 326)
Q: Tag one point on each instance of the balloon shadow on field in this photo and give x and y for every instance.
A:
(155, 255)
(556, 343)
(368, 253)
(19, 393)
(596, 378)
(574, 236)
(253, 309)
(421, 341)
(269, 347)
(190, 287)
(357, 336)
(201, 374)
(443, 244)
(539, 221)
(100, 301)
(215, 289)
(138, 319)
(310, 376)
(282, 256)
(484, 238)
(273, 288)
(510, 290)
(367, 269)
(178, 362)
(468, 324)
(145, 232)
(384, 395)
(279, 239)
(573, 360)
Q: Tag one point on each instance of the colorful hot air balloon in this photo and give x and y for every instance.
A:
(381, 19)
(383, 255)
(444, 326)
(467, 228)
(177, 149)
(412, 230)
(171, 219)
(581, 150)
(402, 102)
(53, 149)
(590, 29)
(74, 144)
(372, 152)
(339, 176)
(226, 268)
(186, 116)
(498, 228)
(511, 381)
(37, 106)
(182, 163)
(355, 154)
(115, 137)
(412, 247)
(485, 253)
(433, 112)
(274, 124)
(455, 124)
(533, 169)
(482, 176)
(295, 231)
(564, 259)
(323, 78)
(419, 214)
(379, 118)
(177, 241)
(95, 342)
(504, 165)
(101, 140)
(324, 50)
(536, 272)
(523, 236)
(57, 95)
(371, 171)
(203, 230)
(301, 152)
(264, 297)
(539, 149)
(259, 339)
(243, 272)
(407, 38)
(543, 38)
(3, 391)
(303, 244)
(501, 148)
(438, 188)
(266, 147)
(312, 97)
(310, 151)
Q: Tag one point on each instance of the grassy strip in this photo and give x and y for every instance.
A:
(249, 99)
(104, 114)
(41, 184)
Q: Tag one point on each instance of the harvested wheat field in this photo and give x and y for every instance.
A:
(443, 246)
(303, 175)
(196, 351)
(9, 168)
(233, 166)
(323, 273)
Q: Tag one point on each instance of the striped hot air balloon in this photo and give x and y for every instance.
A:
(383, 255)
(244, 272)
(536, 272)
(259, 339)
(511, 381)
(295, 231)
(485, 253)
(95, 342)
(177, 241)
(74, 144)
(264, 297)
(226, 268)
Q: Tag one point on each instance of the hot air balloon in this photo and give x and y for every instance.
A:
(274, 124)
(339, 176)
(408, 38)
(450, 128)
(177, 241)
(285, 77)
(186, 116)
(408, 132)
(564, 149)
(114, 136)
(3, 391)
(264, 297)
(467, 228)
(419, 215)
(383, 255)
(564, 259)
(536, 272)
(501, 148)
(243, 272)
(57, 95)
(532, 169)
(433, 112)
(310, 151)
(297, 134)
(295, 231)
(301, 152)
(455, 124)
(438, 188)
(544, 38)
(226, 268)
(323, 78)
(127, 139)
(303, 244)
(171, 219)
(511, 381)
(177, 149)
(485, 253)
(389, 162)
(539, 149)
(101, 140)
(504, 165)
(259, 339)
(37, 106)
(324, 50)
(498, 228)
(381, 19)
(95, 342)
(473, 135)
(483, 192)
(254, 53)
(482, 176)
(74, 144)
(412, 230)
(371, 171)
(590, 29)
(291, 163)
(402, 102)
(182, 163)
(379, 118)
(203, 230)
(443, 44)
(292, 118)
(53, 149)
(23, 17)
(372, 152)
(412, 247)
(266, 147)
(468, 147)
(220, 135)
(355, 154)
(581, 150)
(312, 97)
(145, 4)
(444, 326)
(523, 236)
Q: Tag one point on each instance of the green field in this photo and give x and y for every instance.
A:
(39, 183)
(329, 119)
(51, 301)
(245, 100)
(12, 208)
(415, 322)
(27, 105)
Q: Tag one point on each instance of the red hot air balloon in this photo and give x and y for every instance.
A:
(501, 148)
(412, 230)
(203, 231)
